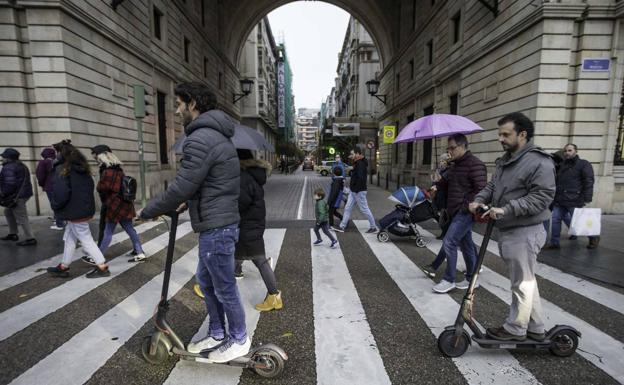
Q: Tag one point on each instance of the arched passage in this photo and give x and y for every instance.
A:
(374, 15)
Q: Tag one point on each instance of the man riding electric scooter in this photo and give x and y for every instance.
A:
(516, 201)
(208, 180)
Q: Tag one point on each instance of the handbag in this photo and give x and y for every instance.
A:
(585, 221)
(11, 201)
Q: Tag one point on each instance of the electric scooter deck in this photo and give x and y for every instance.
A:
(266, 360)
(561, 340)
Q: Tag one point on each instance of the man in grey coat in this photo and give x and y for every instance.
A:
(522, 188)
(208, 183)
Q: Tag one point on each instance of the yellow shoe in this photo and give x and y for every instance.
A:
(198, 291)
(271, 302)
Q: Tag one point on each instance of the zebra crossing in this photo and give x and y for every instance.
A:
(363, 313)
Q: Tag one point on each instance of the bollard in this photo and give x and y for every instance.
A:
(377, 178)
(413, 181)
(387, 175)
(398, 181)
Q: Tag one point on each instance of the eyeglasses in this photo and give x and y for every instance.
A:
(451, 148)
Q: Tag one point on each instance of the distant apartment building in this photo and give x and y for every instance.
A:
(259, 63)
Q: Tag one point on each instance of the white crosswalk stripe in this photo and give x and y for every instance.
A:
(345, 345)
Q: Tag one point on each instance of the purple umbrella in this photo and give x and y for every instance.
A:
(435, 126)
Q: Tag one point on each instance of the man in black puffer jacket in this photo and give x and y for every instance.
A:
(208, 182)
(575, 188)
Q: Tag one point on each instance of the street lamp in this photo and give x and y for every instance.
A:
(372, 86)
(246, 85)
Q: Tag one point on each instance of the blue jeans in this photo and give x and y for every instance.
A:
(215, 276)
(126, 224)
(360, 199)
(459, 234)
(58, 222)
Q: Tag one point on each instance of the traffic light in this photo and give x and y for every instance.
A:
(140, 102)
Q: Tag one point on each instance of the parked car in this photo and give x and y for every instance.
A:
(326, 166)
(308, 165)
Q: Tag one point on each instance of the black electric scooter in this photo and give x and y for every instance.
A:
(266, 360)
(561, 340)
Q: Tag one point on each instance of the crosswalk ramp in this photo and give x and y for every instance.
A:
(362, 313)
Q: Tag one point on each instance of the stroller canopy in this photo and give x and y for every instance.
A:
(408, 196)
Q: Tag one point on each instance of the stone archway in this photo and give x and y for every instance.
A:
(240, 17)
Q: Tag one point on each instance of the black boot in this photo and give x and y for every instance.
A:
(593, 242)
(27, 242)
(10, 237)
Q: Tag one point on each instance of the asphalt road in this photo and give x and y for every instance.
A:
(363, 313)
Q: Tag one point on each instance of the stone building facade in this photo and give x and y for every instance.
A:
(258, 62)
(68, 68)
(527, 57)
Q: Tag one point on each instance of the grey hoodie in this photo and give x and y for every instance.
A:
(523, 185)
(208, 178)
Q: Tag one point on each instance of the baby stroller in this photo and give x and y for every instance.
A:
(413, 206)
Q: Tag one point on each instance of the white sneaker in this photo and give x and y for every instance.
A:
(205, 344)
(444, 286)
(138, 258)
(229, 351)
(55, 227)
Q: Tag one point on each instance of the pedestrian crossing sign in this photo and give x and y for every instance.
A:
(388, 134)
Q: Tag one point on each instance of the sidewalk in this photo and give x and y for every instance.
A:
(604, 264)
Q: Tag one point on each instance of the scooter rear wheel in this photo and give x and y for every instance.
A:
(421, 242)
(267, 363)
(383, 236)
(452, 346)
(161, 354)
(564, 343)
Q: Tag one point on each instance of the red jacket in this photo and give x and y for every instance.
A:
(464, 179)
(108, 187)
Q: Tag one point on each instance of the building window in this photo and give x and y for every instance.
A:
(187, 49)
(428, 143)
(411, 68)
(429, 52)
(456, 27)
(261, 95)
(162, 127)
(453, 104)
(619, 144)
(157, 15)
(410, 145)
(205, 67)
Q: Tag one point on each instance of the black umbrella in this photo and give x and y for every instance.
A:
(244, 138)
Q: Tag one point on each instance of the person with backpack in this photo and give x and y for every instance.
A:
(334, 200)
(15, 190)
(45, 176)
(73, 202)
(117, 192)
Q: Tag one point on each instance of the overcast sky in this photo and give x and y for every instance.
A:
(313, 32)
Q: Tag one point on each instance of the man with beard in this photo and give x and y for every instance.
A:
(208, 183)
(522, 188)
(575, 187)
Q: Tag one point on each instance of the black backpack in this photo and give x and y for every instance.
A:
(128, 188)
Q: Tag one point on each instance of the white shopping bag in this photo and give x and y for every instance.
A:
(585, 222)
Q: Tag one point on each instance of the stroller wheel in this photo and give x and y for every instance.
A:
(383, 236)
(421, 242)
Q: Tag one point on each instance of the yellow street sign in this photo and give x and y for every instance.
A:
(332, 151)
(389, 133)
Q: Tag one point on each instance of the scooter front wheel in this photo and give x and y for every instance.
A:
(564, 343)
(421, 242)
(160, 355)
(452, 346)
(383, 236)
(267, 363)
